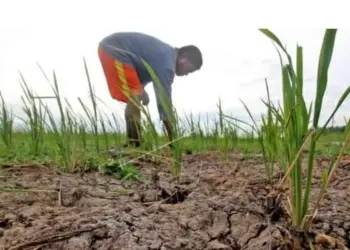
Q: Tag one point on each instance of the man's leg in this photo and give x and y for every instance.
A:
(133, 121)
(121, 77)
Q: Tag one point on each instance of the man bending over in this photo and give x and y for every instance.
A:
(123, 56)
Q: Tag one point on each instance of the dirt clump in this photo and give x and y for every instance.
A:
(215, 205)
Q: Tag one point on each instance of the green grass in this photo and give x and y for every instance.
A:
(74, 141)
(21, 148)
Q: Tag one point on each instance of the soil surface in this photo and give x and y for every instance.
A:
(217, 205)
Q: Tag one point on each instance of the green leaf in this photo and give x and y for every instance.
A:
(322, 74)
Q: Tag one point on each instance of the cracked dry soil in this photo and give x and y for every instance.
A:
(216, 205)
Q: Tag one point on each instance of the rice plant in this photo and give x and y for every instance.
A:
(35, 112)
(294, 118)
(64, 131)
(270, 137)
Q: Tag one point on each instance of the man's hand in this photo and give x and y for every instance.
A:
(145, 98)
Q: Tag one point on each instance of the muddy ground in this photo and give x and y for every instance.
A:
(216, 205)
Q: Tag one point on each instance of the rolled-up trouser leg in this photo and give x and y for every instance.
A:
(133, 121)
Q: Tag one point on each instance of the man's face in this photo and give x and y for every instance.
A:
(184, 66)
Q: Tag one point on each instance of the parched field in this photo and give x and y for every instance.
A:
(217, 204)
(281, 185)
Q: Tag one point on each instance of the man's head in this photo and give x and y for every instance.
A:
(189, 59)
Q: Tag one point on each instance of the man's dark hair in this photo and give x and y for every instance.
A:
(193, 54)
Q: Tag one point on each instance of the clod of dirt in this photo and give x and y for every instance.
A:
(156, 245)
(71, 197)
(326, 241)
(214, 180)
(220, 226)
(180, 243)
(150, 196)
(79, 242)
(329, 242)
(244, 228)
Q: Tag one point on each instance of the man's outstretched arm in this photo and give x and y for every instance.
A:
(163, 92)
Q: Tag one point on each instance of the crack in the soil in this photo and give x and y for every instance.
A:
(130, 224)
(245, 210)
(160, 246)
(261, 228)
(138, 238)
(233, 244)
(229, 224)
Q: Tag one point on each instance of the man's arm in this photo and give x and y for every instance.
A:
(163, 92)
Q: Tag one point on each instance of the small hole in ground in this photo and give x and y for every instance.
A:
(180, 195)
(5, 223)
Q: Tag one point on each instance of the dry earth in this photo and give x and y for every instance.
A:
(216, 205)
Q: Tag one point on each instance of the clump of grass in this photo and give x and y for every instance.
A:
(269, 136)
(64, 132)
(115, 127)
(224, 131)
(92, 116)
(104, 132)
(293, 119)
(150, 136)
(121, 169)
(35, 112)
(83, 134)
(6, 123)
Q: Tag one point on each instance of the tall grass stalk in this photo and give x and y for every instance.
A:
(190, 122)
(173, 119)
(63, 131)
(104, 132)
(115, 128)
(224, 132)
(270, 137)
(82, 133)
(6, 123)
(295, 116)
(150, 129)
(92, 117)
(35, 112)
